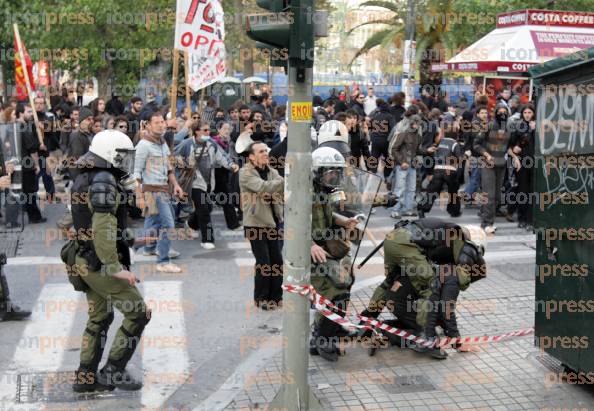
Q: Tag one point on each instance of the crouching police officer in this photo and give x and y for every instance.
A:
(331, 273)
(102, 262)
(410, 252)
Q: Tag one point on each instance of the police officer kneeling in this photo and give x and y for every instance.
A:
(411, 252)
(98, 260)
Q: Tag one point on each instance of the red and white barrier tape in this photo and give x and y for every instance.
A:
(328, 310)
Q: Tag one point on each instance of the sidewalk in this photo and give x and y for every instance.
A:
(508, 375)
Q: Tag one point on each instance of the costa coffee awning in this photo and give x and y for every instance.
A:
(523, 39)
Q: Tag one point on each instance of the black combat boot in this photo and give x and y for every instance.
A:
(111, 374)
(327, 349)
(86, 381)
(12, 312)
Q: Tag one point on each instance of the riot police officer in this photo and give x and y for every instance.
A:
(329, 251)
(411, 251)
(102, 261)
(334, 225)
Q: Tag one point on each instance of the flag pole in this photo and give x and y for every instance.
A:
(173, 96)
(28, 82)
(186, 75)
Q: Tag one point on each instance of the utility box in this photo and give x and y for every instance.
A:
(564, 210)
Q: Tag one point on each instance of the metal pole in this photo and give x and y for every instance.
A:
(408, 61)
(294, 394)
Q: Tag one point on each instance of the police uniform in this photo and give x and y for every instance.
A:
(99, 217)
(411, 250)
(331, 279)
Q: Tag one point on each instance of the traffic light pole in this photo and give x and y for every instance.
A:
(294, 394)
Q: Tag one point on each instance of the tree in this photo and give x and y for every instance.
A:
(443, 27)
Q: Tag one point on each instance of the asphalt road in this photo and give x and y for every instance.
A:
(198, 347)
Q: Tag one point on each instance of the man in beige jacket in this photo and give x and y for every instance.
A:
(262, 205)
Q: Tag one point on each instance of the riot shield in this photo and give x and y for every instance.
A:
(10, 138)
(11, 151)
(358, 194)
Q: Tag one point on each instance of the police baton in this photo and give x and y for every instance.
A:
(371, 254)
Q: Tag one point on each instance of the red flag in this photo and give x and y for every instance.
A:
(21, 85)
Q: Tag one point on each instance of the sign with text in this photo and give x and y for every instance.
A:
(301, 111)
(200, 30)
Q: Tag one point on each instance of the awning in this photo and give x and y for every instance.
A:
(523, 39)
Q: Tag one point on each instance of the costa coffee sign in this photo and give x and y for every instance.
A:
(546, 18)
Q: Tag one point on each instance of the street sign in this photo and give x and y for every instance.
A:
(301, 111)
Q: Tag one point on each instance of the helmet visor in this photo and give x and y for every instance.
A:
(124, 160)
(331, 177)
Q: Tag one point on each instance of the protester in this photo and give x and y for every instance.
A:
(222, 192)
(370, 104)
(199, 157)
(80, 140)
(397, 106)
(261, 203)
(97, 106)
(49, 126)
(97, 126)
(479, 123)
(133, 117)
(357, 100)
(492, 145)
(323, 114)
(121, 124)
(154, 173)
(30, 162)
(381, 124)
(406, 146)
(209, 111)
(114, 106)
(521, 150)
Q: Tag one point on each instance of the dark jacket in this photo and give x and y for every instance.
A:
(397, 112)
(114, 107)
(406, 147)
(523, 137)
(78, 145)
(358, 107)
(133, 124)
(495, 141)
(382, 122)
(29, 144)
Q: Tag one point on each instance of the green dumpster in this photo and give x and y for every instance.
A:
(564, 214)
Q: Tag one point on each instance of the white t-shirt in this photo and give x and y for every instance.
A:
(369, 104)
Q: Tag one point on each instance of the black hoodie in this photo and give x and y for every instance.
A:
(382, 122)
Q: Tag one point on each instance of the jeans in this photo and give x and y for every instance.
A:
(406, 182)
(158, 226)
(474, 182)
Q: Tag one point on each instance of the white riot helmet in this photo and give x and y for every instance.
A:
(333, 130)
(328, 167)
(335, 134)
(117, 149)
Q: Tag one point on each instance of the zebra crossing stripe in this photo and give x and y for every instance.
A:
(46, 337)
(164, 345)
